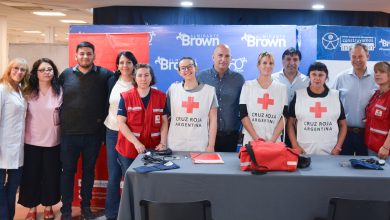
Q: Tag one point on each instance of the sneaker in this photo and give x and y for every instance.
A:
(66, 216)
(87, 214)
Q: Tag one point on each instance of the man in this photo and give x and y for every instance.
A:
(356, 86)
(228, 86)
(82, 115)
(291, 77)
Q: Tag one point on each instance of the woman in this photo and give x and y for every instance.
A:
(193, 109)
(262, 103)
(142, 118)
(377, 130)
(120, 82)
(12, 123)
(317, 115)
(42, 168)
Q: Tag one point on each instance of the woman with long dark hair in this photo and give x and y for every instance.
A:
(42, 168)
(120, 82)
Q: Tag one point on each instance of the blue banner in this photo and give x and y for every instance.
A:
(169, 43)
(334, 42)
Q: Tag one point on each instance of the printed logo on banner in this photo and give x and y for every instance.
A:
(330, 41)
(151, 35)
(265, 40)
(238, 64)
(347, 42)
(200, 40)
(166, 63)
(384, 44)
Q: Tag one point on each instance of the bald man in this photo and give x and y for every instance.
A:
(228, 86)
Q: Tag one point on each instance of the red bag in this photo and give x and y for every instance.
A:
(264, 156)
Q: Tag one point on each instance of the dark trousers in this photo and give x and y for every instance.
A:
(226, 142)
(41, 176)
(9, 182)
(71, 147)
(354, 144)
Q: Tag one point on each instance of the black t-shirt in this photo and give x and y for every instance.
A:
(84, 106)
(291, 110)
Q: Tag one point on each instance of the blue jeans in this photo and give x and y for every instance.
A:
(125, 163)
(71, 147)
(114, 175)
(354, 144)
(8, 192)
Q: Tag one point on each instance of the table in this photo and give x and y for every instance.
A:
(238, 195)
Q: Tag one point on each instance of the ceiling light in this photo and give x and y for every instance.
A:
(74, 21)
(186, 4)
(32, 32)
(318, 6)
(48, 13)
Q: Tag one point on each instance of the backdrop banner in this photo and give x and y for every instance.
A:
(169, 43)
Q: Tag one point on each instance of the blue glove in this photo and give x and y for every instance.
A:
(156, 167)
(362, 164)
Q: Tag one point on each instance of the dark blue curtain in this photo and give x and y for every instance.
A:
(226, 16)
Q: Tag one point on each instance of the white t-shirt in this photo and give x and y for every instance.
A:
(265, 107)
(317, 126)
(189, 127)
(119, 87)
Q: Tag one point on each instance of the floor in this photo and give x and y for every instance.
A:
(21, 212)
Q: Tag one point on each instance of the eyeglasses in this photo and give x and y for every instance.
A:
(45, 70)
(184, 68)
(21, 69)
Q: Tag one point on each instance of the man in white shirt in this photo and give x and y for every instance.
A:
(290, 76)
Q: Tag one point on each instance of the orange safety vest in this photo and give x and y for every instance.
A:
(145, 124)
(377, 120)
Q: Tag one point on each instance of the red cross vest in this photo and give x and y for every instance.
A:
(145, 124)
(189, 130)
(377, 120)
(265, 107)
(317, 126)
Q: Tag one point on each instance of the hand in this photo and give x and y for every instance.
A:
(299, 149)
(140, 147)
(336, 150)
(210, 149)
(161, 147)
(383, 153)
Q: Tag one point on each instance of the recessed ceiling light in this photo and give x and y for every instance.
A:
(186, 4)
(74, 21)
(318, 6)
(48, 13)
(32, 32)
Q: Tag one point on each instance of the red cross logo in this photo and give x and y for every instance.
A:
(318, 110)
(265, 101)
(190, 104)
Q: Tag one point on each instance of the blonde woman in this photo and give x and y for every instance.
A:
(262, 103)
(12, 122)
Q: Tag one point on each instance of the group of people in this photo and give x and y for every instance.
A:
(48, 119)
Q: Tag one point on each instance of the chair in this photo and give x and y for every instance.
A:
(349, 209)
(199, 210)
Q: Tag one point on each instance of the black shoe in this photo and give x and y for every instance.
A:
(111, 218)
(66, 216)
(87, 214)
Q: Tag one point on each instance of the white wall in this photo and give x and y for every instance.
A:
(32, 52)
